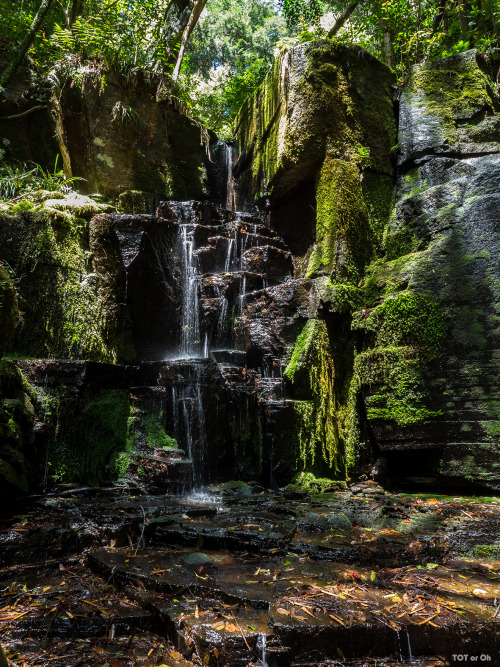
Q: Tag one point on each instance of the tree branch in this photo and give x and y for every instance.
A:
(343, 18)
(24, 113)
(11, 68)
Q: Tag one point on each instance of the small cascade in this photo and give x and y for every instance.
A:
(190, 275)
(231, 154)
(410, 655)
(262, 647)
(223, 260)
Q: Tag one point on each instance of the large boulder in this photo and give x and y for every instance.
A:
(315, 149)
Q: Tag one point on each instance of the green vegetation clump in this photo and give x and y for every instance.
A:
(408, 330)
(311, 366)
(91, 441)
(486, 551)
(307, 481)
(408, 319)
(343, 240)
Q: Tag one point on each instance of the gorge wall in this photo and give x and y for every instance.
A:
(345, 325)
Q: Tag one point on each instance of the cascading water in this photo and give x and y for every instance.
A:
(190, 276)
(230, 189)
(262, 645)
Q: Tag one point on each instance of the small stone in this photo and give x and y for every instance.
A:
(197, 558)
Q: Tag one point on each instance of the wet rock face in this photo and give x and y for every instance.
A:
(447, 217)
(8, 309)
(248, 576)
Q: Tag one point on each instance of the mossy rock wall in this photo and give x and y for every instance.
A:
(18, 455)
(82, 283)
(9, 311)
(127, 133)
(430, 317)
(406, 291)
(61, 300)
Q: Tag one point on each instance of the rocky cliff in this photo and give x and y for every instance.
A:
(349, 328)
(397, 363)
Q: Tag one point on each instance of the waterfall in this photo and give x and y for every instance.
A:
(190, 275)
(230, 189)
(410, 656)
(262, 645)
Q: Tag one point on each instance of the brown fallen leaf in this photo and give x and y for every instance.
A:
(336, 618)
(280, 610)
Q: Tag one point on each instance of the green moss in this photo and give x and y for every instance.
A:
(156, 436)
(9, 312)
(312, 366)
(135, 202)
(343, 239)
(396, 374)
(401, 242)
(486, 551)
(92, 443)
(452, 88)
(379, 193)
(408, 319)
(64, 313)
(307, 481)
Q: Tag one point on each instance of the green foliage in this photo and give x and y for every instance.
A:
(25, 182)
(228, 56)
(311, 367)
(404, 32)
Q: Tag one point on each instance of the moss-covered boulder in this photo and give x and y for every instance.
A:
(315, 146)
(127, 133)
(63, 309)
(9, 312)
(319, 97)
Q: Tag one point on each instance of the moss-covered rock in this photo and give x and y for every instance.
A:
(61, 296)
(317, 96)
(9, 312)
(17, 454)
(123, 134)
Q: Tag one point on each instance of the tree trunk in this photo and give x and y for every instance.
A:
(343, 18)
(11, 68)
(193, 19)
(76, 11)
(176, 18)
(462, 17)
(387, 49)
(438, 19)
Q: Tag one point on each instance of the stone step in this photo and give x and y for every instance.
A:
(308, 611)
(232, 358)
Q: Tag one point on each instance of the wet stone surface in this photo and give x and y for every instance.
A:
(242, 576)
